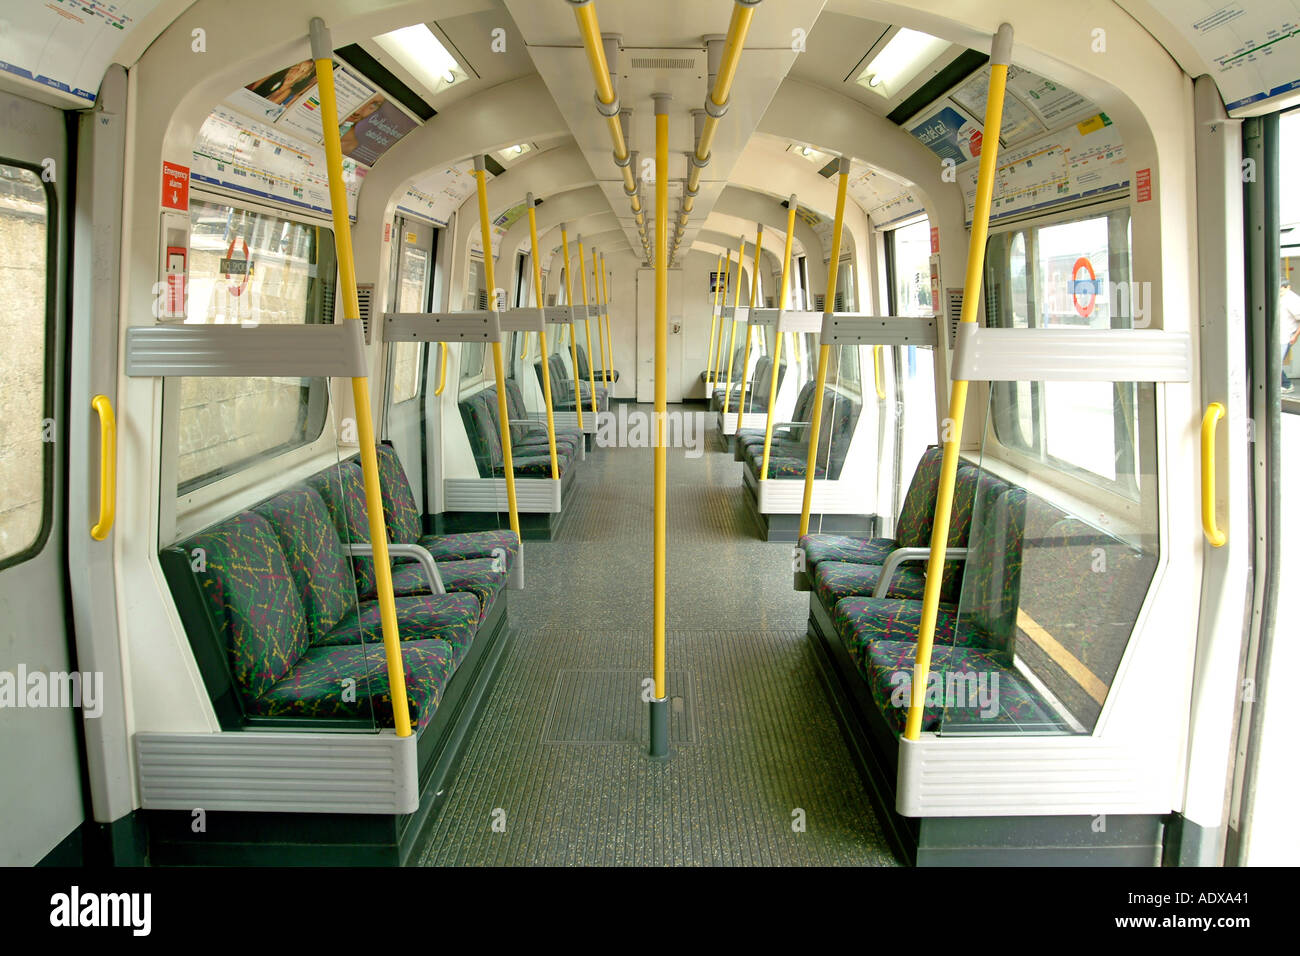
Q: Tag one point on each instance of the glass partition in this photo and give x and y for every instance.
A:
(1056, 574)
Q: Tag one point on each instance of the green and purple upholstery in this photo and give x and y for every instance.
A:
(757, 392)
(253, 602)
(481, 424)
(970, 688)
(839, 418)
(528, 432)
(345, 487)
(989, 594)
(835, 580)
(585, 371)
(318, 565)
(402, 518)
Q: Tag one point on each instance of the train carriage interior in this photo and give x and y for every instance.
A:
(694, 433)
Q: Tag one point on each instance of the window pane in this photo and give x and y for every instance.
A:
(24, 224)
(912, 269)
(1073, 274)
(1006, 305)
(412, 293)
(225, 423)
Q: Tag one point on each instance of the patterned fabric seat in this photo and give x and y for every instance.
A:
(480, 416)
(839, 418)
(253, 602)
(328, 597)
(990, 596)
(534, 440)
(453, 618)
(563, 387)
(585, 371)
(914, 525)
(526, 431)
(481, 577)
(756, 393)
(790, 434)
(969, 688)
(845, 548)
(402, 517)
(720, 373)
(834, 579)
(341, 491)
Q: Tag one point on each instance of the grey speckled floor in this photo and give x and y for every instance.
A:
(556, 772)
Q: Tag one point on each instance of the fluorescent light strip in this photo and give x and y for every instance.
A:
(906, 54)
(424, 57)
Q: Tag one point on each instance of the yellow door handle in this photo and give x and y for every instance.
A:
(107, 467)
(442, 374)
(1209, 424)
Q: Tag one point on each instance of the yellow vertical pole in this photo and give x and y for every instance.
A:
(322, 54)
(607, 278)
(713, 323)
(600, 309)
(659, 706)
(776, 357)
(591, 356)
(722, 324)
(541, 337)
(573, 339)
(754, 288)
(999, 61)
(609, 323)
(498, 363)
(735, 317)
(824, 354)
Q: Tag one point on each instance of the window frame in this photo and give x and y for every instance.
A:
(53, 234)
(1122, 498)
(194, 498)
(422, 348)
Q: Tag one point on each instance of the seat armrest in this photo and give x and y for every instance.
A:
(901, 555)
(419, 552)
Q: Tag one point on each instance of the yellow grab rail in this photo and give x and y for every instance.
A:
(541, 338)
(322, 54)
(1209, 426)
(877, 364)
(608, 359)
(442, 372)
(754, 288)
(591, 356)
(1000, 60)
(573, 340)
(776, 356)
(593, 44)
(658, 707)
(600, 323)
(742, 13)
(735, 317)
(824, 353)
(107, 467)
(713, 325)
(498, 361)
(722, 328)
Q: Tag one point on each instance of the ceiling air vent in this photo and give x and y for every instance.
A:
(663, 62)
(365, 300)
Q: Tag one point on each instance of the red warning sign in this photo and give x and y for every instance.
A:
(934, 240)
(176, 186)
(1144, 185)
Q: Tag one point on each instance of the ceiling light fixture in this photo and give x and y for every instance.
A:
(899, 61)
(424, 57)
